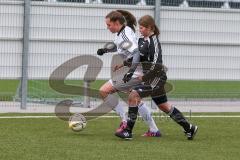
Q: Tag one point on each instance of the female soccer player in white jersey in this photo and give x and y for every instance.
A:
(154, 79)
(122, 24)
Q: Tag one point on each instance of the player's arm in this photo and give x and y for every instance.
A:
(109, 47)
(117, 67)
(130, 44)
(134, 64)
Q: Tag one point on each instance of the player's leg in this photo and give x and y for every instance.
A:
(133, 100)
(107, 89)
(176, 115)
(145, 113)
(135, 106)
(116, 84)
(143, 109)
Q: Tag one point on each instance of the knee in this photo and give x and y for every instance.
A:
(165, 107)
(134, 98)
(103, 92)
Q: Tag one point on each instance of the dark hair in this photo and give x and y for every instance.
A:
(124, 17)
(148, 21)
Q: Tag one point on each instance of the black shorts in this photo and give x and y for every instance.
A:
(160, 100)
(157, 93)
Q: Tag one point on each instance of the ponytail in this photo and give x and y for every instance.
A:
(156, 30)
(129, 18)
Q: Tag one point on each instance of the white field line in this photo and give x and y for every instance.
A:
(200, 116)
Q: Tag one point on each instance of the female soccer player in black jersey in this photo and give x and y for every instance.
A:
(153, 81)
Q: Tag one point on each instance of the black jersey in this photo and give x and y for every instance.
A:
(151, 59)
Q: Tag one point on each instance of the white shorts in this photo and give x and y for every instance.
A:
(119, 85)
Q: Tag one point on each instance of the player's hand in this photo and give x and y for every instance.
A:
(127, 77)
(127, 63)
(101, 51)
(140, 78)
(117, 67)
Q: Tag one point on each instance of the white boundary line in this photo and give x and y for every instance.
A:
(200, 116)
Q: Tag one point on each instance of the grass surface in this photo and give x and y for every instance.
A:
(182, 89)
(8, 89)
(50, 139)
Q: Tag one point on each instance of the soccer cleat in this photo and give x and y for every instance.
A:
(152, 134)
(124, 134)
(122, 126)
(192, 132)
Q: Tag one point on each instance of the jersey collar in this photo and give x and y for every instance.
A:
(121, 30)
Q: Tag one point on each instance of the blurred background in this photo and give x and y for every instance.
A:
(200, 42)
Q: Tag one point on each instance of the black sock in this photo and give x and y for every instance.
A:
(178, 117)
(132, 115)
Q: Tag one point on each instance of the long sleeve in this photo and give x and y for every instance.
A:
(135, 60)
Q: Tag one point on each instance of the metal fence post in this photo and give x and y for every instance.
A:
(157, 20)
(86, 95)
(25, 50)
(157, 12)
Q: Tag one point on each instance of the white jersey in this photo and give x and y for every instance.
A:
(126, 34)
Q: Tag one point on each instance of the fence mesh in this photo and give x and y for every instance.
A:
(200, 42)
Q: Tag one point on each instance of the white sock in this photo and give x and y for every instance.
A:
(144, 111)
(120, 111)
(113, 102)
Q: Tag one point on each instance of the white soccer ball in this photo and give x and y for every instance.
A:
(77, 122)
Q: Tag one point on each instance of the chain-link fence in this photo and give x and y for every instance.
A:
(234, 4)
(200, 42)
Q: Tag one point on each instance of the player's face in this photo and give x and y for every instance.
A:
(112, 26)
(144, 31)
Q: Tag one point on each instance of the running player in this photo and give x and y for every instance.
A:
(153, 81)
(122, 24)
